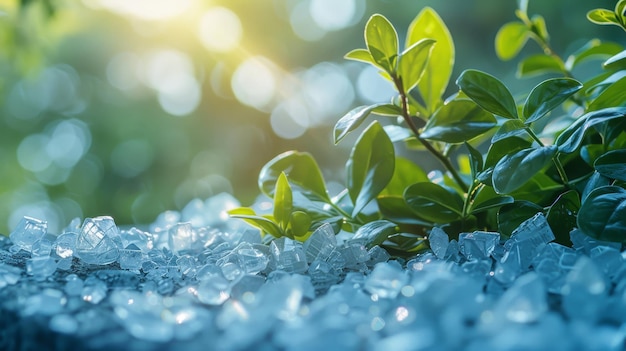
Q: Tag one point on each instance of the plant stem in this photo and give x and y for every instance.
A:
(407, 118)
(555, 159)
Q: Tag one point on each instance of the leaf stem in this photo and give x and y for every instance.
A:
(555, 159)
(407, 118)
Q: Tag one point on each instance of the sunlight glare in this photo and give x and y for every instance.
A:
(220, 29)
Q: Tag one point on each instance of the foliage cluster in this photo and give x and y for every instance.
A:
(559, 148)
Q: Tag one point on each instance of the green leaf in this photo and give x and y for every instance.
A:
(595, 181)
(433, 202)
(616, 62)
(382, 42)
(299, 224)
(405, 173)
(612, 164)
(265, 224)
(511, 216)
(603, 214)
(562, 216)
(395, 209)
(487, 199)
(496, 152)
(458, 121)
(547, 95)
(283, 202)
(352, 120)
(397, 133)
(614, 95)
(370, 166)
(375, 233)
(413, 63)
(301, 170)
(435, 79)
(602, 17)
(571, 138)
(361, 55)
(593, 49)
(387, 110)
(512, 128)
(475, 160)
(539, 64)
(515, 169)
(510, 39)
(488, 92)
(539, 27)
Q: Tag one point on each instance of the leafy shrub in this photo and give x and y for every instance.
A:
(569, 163)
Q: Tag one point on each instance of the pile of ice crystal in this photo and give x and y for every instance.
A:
(196, 280)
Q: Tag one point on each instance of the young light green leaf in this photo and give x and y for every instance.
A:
(432, 86)
(602, 17)
(522, 5)
(375, 233)
(616, 62)
(488, 92)
(283, 201)
(361, 55)
(612, 164)
(512, 128)
(301, 170)
(382, 42)
(458, 121)
(405, 173)
(510, 39)
(603, 214)
(387, 110)
(370, 166)
(299, 224)
(593, 49)
(539, 64)
(433, 202)
(266, 225)
(571, 138)
(547, 95)
(515, 169)
(539, 27)
(413, 63)
(352, 120)
(614, 95)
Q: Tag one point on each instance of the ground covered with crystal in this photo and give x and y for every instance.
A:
(196, 280)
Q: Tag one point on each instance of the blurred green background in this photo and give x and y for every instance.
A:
(128, 108)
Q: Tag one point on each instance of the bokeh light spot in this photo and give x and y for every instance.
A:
(290, 119)
(371, 87)
(220, 29)
(331, 14)
(254, 82)
(303, 24)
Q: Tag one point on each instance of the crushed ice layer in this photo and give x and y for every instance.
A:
(197, 280)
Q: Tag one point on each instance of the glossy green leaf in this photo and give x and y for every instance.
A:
(615, 62)
(547, 95)
(510, 39)
(590, 152)
(512, 128)
(370, 166)
(405, 244)
(602, 16)
(382, 42)
(361, 55)
(266, 225)
(539, 64)
(299, 224)
(301, 170)
(458, 121)
(405, 173)
(488, 92)
(397, 133)
(413, 63)
(612, 164)
(562, 216)
(595, 181)
(375, 233)
(283, 201)
(571, 138)
(352, 120)
(512, 215)
(433, 202)
(475, 160)
(438, 71)
(593, 49)
(613, 95)
(496, 152)
(395, 209)
(603, 214)
(515, 169)
(540, 189)
(387, 110)
(487, 199)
